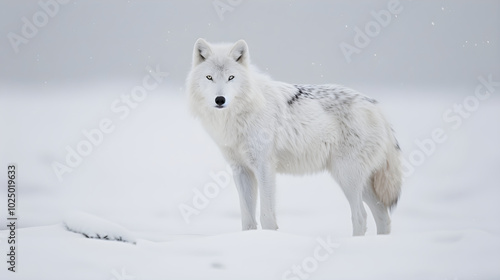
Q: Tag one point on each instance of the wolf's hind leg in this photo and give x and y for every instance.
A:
(352, 183)
(379, 210)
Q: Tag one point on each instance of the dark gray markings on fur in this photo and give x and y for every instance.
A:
(371, 100)
(395, 140)
(300, 93)
(334, 98)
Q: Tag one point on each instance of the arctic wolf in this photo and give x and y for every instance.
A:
(264, 127)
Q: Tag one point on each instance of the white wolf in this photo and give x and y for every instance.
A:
(264, 127)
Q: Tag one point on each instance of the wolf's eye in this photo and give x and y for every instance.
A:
(230, 78)
(209, 78)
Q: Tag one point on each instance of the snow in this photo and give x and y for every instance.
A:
(466, 254)
(95, 227)
(443, 228)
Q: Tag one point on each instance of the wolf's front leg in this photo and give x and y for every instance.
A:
(247, 190)
(266, 179)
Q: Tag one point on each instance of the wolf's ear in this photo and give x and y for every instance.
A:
(239, 52)
(201, 51)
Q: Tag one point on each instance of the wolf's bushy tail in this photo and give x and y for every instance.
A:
(387, 180)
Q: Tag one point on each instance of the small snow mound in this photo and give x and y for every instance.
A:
(92, 226)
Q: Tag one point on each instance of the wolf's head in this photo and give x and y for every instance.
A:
(219, 77)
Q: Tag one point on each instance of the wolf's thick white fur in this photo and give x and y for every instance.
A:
(264, 127)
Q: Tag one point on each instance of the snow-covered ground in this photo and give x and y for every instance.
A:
(158, 159)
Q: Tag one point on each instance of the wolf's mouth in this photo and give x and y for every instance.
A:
(220, 106)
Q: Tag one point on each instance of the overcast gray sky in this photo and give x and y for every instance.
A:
(429, 43)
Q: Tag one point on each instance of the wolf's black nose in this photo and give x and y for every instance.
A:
(220, 100)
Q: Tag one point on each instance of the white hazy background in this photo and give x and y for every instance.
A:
(65, 79)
